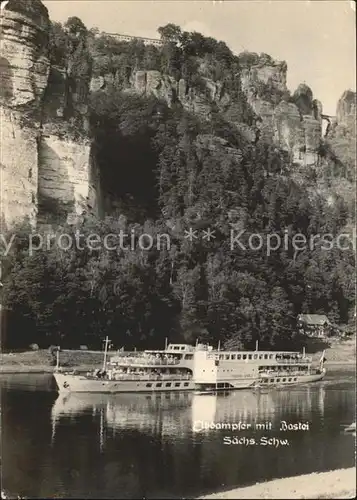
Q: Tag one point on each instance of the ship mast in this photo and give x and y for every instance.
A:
(106, 345)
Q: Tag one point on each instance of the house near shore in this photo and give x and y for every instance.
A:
(315, 325)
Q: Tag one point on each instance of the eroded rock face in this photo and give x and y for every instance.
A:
(346, 109)
(294, 125)
(69, 179)
(24, 68)
(41, 159)
(288, 129)
(303, 99)
(19, 170)
(266, 71)
(24, 65)
(312, 139)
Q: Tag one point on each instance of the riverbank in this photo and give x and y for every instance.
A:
(341, 353)
(41, 361)
(339, 483)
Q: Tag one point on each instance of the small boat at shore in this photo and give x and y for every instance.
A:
(182, 367)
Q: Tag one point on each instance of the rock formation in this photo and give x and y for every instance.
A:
(24, 69)
(346, 109)
(294, 123)
(44, 168)
(47, 160)
(339, 165)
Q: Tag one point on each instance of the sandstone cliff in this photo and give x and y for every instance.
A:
(48, 167)
(293, 123)
(337, 170)
(24, 68)
(45, 169)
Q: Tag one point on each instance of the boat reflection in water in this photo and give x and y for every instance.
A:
(177, 414)
(167, 414)
(255, 407)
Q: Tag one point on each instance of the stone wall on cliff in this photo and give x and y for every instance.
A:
(47, 167)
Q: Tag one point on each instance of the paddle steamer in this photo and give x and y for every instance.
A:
(182, 367)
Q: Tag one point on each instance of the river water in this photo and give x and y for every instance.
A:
(152, 446)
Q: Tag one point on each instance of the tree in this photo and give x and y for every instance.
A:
(170, 33)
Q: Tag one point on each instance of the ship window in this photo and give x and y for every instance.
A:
(159, 384)
(148, 385)
(249, 356)
(265, 356)
(289, 380)
(168, 384)
(284, 379)
(270, 356)
(238, 356)
(295, 379)
(233, 356)
(227, 356)
(244, 356)
(255, 356)
(278, 379)
(189, 356)
(185, 384)
(260, 356)
(177, 384)
(271, 380)
(221, 356)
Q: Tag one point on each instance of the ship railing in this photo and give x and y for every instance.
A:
(157, 378)
(144, 361)
(282, 373)
(294, 361)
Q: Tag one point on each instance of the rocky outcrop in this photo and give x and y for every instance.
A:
(24, 68)
(18, 169)
(263, 69)
(336, 171)
(346, 109)
(293, 123)
(69, 180)
(24, 65)
(47, 163)
(46, 160)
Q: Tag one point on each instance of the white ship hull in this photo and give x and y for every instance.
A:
(67, 383)
(246, 383)
(298, 379)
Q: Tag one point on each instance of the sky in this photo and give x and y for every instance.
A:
(316, 38)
